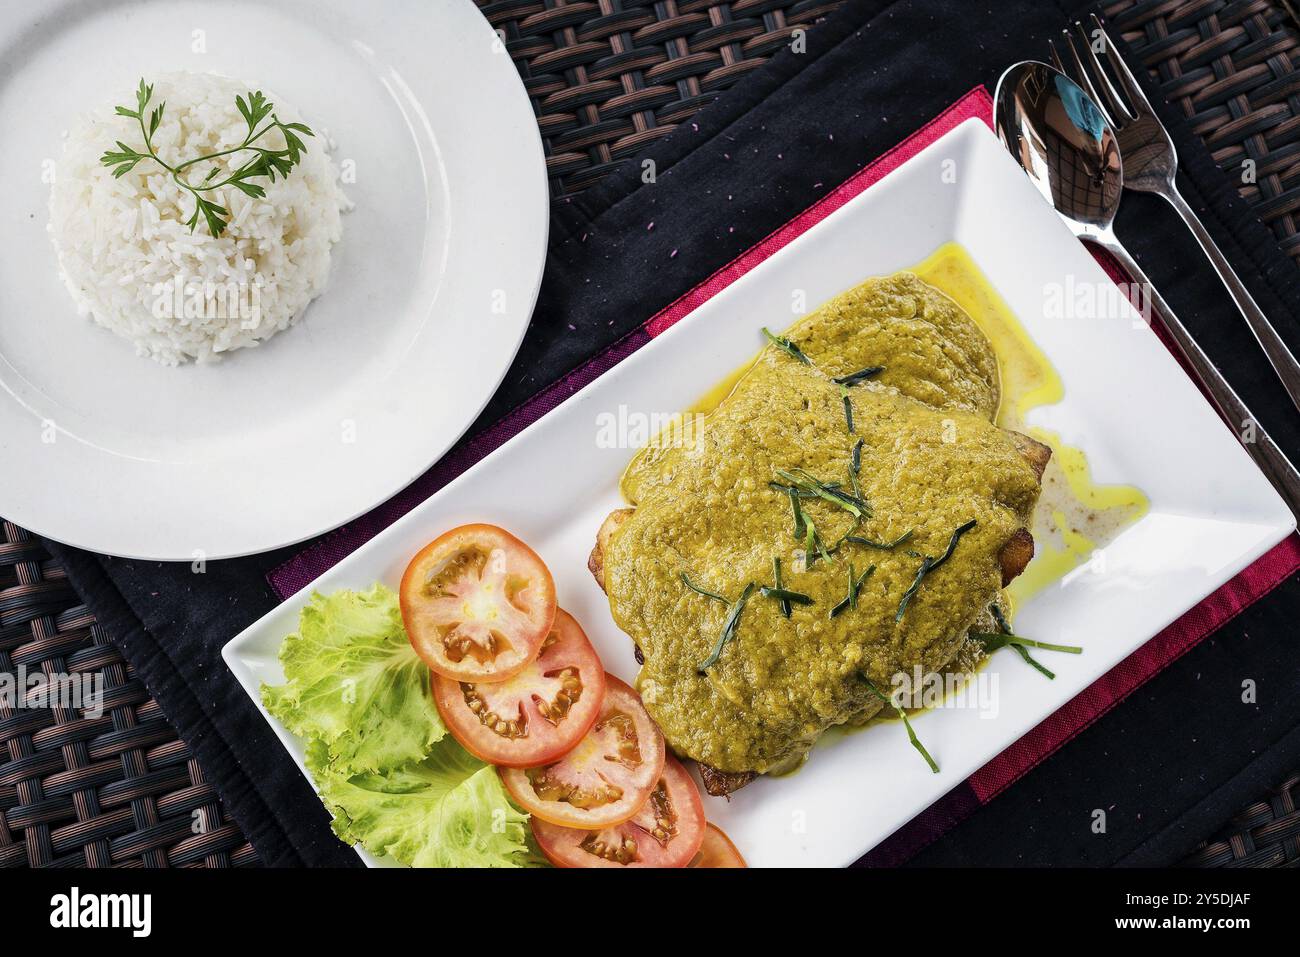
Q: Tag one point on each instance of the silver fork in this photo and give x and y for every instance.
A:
(1151, 166)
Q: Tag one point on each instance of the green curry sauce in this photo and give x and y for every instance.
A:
(770, 475)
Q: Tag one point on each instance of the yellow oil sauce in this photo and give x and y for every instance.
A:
(1075, 515)
(713, 398)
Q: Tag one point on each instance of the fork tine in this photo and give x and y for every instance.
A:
(1114, 102)
(1056, 58)
(1084, 80)
(1126, 79)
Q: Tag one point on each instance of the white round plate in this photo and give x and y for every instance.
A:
(429, 295)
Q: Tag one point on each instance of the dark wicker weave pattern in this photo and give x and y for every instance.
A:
(1234, 68)
(608, 76)
(116, 790)
(1266, 834)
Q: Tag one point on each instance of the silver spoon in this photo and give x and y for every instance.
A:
(1151, 166)
(1071, 154)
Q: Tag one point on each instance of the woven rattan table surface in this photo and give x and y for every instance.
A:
(605, 77)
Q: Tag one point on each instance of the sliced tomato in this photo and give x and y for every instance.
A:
(536, 715)
(607, 776)
(717, 850)
(666, 832)
(477, 603)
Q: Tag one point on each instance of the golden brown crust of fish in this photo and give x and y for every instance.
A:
(596, 561)
(1035, 453)
(723, 783)
(1015, 555)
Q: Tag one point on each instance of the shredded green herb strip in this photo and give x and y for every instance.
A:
(802, 493)
(834, 488)
(881, 546)
(728, 629)
(853, 378)
(785, 596)
(995, 641)
(952, 543)
(911, 735)
(845, 537)
(266, 162)
(861, 375)
(703, 591)
(855, 469)
(848, 408)
(831, 493)
(813, 547)
(857, 586)
(992, 642)
(776, 580)
(990, 647)
(788, 347)
(844, 602)
(800, 523)
(1042, 669)
(1006, 639)
(929, 564)
(1002, 640)
(850, 599)
(857, 490)
(809, 554)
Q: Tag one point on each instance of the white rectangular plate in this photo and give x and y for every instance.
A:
(1127, 403)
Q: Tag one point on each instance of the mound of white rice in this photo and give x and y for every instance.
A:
(133, 265)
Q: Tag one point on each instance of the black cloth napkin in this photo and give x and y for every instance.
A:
(1170, 762)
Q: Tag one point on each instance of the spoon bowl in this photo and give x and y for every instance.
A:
(1063, 142)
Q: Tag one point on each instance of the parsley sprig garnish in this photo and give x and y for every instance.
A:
(264, 163)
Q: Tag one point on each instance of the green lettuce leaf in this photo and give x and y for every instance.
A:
(354, 683)
(449, 810)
